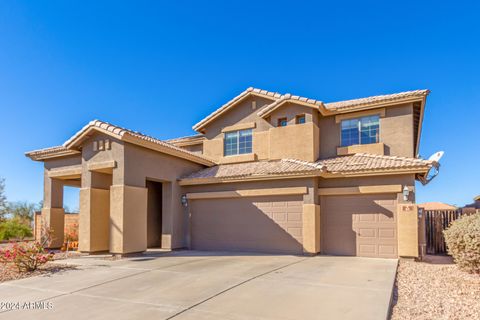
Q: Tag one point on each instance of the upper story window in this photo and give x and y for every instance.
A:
(363, 130)
(238, 142)
(282, 122)
(300, 119)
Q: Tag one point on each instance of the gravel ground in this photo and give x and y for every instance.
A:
(435, 289)
(10, 272)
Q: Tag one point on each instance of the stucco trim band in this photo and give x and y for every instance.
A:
(247, 193)
(102, 166)
(393, 188)
(240, 126)
(340, 117)
(239, 158)
(66, 173)
(372, 148)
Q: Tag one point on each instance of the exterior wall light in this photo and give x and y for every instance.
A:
(406, 193)
(184, 200)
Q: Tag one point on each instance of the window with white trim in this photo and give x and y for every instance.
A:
(237, 142)
(364, 130)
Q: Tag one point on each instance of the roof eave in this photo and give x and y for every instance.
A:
(37, 155)
(198, 181)
(374, 105)
(366, 173)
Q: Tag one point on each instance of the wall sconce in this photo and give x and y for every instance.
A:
(184, 200)
(406, 193)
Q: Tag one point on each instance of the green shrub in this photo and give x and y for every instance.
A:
(463, 242)
(14, 229)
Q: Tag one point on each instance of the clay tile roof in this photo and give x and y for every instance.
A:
(363, 162)
(357, 163)
(436, 206)
(45, 153)
(123, 134)
(284, 98)
(260, 168)
(340, 105)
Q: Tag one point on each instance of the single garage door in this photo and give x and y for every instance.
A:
(261, 224)
(360, 225)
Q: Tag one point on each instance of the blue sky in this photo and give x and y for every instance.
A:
(64, 63)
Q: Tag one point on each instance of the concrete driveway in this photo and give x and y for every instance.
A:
(206, 285)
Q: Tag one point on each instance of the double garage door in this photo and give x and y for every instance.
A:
(262, 224)
(357, 225)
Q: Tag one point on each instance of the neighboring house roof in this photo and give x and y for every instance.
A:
(58, 151)
(436, 206)
(130, 136)
(347, 165)
(355, 103)
(477, 198)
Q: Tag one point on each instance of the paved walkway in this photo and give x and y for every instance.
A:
(202, 285)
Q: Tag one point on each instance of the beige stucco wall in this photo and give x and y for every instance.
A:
(269, 141)
(241, 113)
(128, 219)
(294, 142)
(142, 164)
(311, 228)
(407, 228)
(94, 220)
(54, 219)
(396, 132)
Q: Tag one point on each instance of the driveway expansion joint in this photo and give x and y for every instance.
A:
(234, 286)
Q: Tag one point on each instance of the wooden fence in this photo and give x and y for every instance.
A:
(435, 222)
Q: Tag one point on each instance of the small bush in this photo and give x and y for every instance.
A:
(14, 229)
(26, 256)
(463, 242)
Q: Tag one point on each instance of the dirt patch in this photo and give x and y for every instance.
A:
(435, 289)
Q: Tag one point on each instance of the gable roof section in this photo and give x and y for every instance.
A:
(353, 165)
(130, 136)
(227, 106)
(265, 112)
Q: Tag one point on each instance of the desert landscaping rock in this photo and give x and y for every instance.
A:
(435, 289)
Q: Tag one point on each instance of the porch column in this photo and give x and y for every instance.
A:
(311, 220)
(94, 222)
(128, 219)
(53, 215)
(94, 219)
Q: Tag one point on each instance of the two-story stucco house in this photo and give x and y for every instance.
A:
(267, 172)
